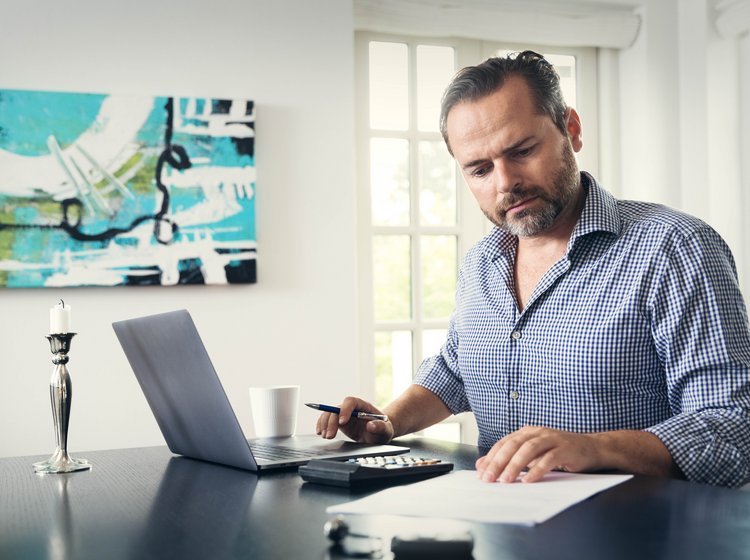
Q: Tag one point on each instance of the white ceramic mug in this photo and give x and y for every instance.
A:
(274, 410)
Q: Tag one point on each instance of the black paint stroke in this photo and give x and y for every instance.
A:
(174, 155)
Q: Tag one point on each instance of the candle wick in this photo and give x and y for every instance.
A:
(62, 303)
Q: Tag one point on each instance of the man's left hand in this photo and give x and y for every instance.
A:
(540, 450)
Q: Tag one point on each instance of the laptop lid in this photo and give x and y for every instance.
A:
(191, 408)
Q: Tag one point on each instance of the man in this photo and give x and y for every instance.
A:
(589, 333)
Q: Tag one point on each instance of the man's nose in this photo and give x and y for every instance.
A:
(507, 177)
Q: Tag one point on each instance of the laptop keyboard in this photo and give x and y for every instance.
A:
(279, 452)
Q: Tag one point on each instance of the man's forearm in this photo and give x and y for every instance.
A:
(635, 452)
(539, 450)
(415, 409)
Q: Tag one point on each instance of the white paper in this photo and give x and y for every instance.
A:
(461, 495)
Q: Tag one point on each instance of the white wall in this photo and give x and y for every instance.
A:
(743, 117)
(682, 141)
(298, 323)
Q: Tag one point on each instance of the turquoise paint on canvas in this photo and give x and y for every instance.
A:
(28, 117)
(125, 190)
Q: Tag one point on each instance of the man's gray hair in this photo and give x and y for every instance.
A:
(475, 82)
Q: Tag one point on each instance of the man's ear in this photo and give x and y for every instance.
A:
(573, 125)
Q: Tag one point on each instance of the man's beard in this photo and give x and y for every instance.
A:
(531, 222)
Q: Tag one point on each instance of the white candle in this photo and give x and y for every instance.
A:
(59, 318)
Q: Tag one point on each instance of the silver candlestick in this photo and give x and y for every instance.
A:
(61, 394)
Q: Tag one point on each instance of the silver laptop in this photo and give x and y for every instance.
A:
(193, 412)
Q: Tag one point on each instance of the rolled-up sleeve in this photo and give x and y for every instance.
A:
(700, 329)
(439, 374)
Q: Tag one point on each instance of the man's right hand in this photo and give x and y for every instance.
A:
(365, 431)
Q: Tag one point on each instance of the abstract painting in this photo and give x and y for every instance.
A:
(116, 190)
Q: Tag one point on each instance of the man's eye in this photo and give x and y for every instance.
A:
(524, 152)
(480, 172)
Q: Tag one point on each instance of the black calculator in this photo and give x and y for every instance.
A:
(372, 470)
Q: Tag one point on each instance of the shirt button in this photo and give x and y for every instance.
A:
(515, 335)
(514, 395)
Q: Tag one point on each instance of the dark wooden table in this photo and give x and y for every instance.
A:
(145, 504)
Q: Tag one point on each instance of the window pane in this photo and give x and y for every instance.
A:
(448, 431)
(391, 255)
(389, 181)
(437, 192)
(393, 371)
(435, 68)
(438, 275)
(389, 86)
(432, 341)
(565, 65)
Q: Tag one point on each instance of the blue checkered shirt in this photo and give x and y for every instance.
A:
(641, 325)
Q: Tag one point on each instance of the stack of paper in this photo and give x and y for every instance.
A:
(461, 495)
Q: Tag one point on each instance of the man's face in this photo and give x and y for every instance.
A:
(517, 163)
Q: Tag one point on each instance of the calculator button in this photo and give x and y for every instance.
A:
(391, 462)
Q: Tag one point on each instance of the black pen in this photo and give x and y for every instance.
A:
(355, 413)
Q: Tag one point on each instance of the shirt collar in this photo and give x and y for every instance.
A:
(599, 214)
(599, 211)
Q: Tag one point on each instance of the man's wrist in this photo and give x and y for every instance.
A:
(633, 451)
(392, 421)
